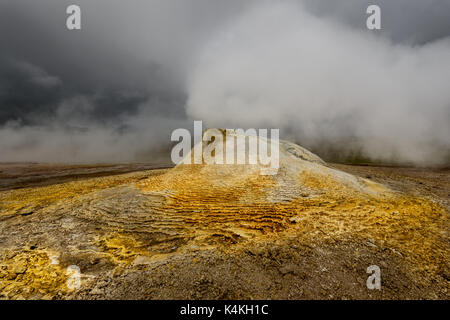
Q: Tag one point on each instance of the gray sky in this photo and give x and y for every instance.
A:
(114, 90)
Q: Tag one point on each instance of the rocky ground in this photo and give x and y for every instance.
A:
(127, 232)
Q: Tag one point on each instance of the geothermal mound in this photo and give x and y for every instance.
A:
(233, 203)
(300, 173)
(238, 201)
(115, 226)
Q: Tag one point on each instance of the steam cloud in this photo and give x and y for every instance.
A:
(320, 80)
(114, 91)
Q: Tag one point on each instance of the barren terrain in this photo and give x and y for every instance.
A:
(140, 233)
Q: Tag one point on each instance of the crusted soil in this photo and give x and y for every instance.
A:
(202, 233)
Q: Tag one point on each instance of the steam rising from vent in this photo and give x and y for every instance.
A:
(319, 80)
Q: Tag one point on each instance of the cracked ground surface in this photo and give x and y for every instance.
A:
(225, 232)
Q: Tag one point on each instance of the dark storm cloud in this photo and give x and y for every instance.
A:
(116, 89)
(35, 40)
(125, 53)
(110, 92)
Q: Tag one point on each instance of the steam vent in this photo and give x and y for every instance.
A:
(198, 231)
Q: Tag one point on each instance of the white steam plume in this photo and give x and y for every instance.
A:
(280, 66)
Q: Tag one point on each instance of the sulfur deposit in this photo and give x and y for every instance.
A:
(115, 226)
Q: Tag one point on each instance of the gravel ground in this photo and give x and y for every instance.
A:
(92, 218)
